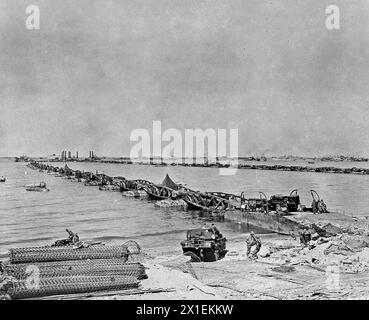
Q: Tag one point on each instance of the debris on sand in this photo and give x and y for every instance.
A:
(349, 252)
(264, 252)
(187, 287)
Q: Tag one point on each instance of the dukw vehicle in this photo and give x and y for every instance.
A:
(204, 245)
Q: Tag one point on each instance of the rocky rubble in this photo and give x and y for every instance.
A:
(349, 252)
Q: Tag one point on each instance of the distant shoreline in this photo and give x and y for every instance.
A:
(335, 158)
(242, 164)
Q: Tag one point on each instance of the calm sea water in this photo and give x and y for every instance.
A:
(33, 218)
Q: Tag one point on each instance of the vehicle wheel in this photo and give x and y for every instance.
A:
(222, 254)
(210, 255)
(194, 256)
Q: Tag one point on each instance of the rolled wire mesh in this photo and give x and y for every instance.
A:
(61, 248)
(136, 258)
(67, 269)
(21, 289)
(28, 249)
(40, 254)
(69, 263)
(135, 252)
(133, 247)
(75, 268)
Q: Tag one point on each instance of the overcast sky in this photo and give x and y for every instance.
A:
(98, 69)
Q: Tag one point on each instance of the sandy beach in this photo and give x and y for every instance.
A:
(287, 271)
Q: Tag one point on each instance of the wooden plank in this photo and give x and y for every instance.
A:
(103, 294)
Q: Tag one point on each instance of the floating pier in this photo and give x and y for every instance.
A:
(278, 214)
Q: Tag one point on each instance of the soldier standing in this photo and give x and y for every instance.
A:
(252, 241)
(73, 237)
(215, 230)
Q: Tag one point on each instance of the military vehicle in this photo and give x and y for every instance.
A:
(206, 244)
(291, 202)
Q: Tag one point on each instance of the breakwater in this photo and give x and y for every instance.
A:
(241, 165)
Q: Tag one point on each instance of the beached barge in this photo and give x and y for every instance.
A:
(332, 222)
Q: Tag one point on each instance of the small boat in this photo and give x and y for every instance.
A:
(41, 187)
(2, 179)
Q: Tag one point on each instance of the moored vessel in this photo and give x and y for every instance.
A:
(41, 187)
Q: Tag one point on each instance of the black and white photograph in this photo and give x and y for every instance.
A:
(184, 150)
